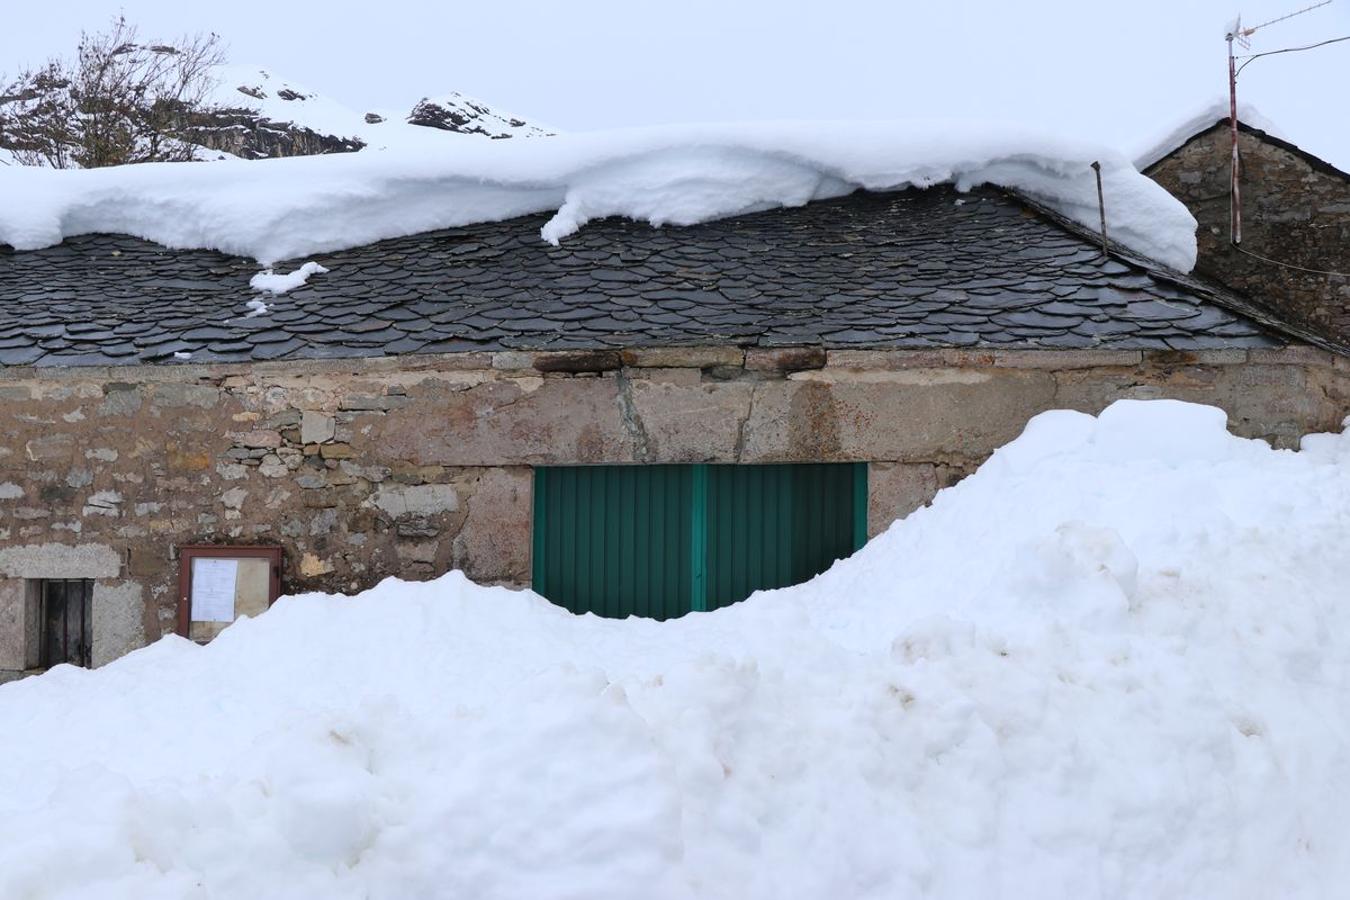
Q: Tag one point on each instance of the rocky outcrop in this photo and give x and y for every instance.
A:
(255, 115)
(245, 134)
(462, 115)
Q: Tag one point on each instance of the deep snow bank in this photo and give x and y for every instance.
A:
(282, 208)
(1115, 662)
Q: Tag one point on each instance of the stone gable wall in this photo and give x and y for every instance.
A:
(1292, 211)
(416, 465)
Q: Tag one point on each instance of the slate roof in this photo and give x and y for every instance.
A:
(912, 269)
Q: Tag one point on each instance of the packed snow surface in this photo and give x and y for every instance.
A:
(279, 209)
(1112, 663)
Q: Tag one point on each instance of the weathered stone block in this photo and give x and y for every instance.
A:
(894, 490)
(561, 420)
(316, 427)
(369, 403)
(493, 545)
(261, 438)
(103, 503)
(513, 359)
(336, 451)
(416, 527)
(1066, 359)
(420, 499)
(675, 423)
(119, 620)
(311, 566)
(14, 624)
(59, 446)
(577, 361)
(60, 561)
(172, 394)
(408, 473)
(683, 357)
(785, 359)
(908, 414)
(417, 551)
(121, 400)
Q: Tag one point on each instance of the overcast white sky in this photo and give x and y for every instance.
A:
(1118, 72)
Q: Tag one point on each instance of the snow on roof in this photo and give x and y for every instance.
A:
(283, 208)
(1199, 120)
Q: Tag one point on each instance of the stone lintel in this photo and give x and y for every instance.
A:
(785, 359)
(1296, 355)
(683, 357)
(60, 561)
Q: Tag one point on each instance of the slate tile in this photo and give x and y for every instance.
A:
(900, 269)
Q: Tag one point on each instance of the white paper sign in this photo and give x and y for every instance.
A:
(213, 583)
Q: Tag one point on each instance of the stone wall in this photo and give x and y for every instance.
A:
(1293, 210)
(361, 469)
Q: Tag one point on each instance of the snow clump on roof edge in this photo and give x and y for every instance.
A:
(284, 208)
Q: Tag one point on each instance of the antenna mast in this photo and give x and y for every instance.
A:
(1243, 37)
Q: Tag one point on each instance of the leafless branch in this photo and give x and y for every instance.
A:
(120, 100)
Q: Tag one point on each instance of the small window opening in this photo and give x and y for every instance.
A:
(65, 621)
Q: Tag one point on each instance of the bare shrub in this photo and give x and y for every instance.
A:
(119, 101)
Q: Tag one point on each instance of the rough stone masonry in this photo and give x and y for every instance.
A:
(1295, 209)
(410, 466)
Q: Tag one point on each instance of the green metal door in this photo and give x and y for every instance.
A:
(660, 541)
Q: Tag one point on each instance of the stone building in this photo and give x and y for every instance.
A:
(1295, 212)
(393, 415)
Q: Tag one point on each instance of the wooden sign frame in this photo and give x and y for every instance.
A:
(189, 552)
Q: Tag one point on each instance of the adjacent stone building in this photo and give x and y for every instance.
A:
(1295, 222)
(390, 416)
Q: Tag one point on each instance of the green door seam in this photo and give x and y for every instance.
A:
(859, 505)
(698, 541)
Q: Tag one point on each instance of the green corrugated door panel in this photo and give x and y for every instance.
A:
(771, 526)
(614, 540)
(660, 541)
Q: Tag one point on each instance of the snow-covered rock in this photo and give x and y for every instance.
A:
(313, 119)
(253, 113)
(1112, 663)
(283, 208)
(464, 115)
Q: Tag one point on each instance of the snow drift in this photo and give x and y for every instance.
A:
(1113, 663)
(279, 209)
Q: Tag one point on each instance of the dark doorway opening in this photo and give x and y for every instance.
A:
(65, 621)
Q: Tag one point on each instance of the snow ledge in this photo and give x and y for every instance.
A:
(285, 208)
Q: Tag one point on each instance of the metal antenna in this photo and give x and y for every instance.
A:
(1243, 38)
